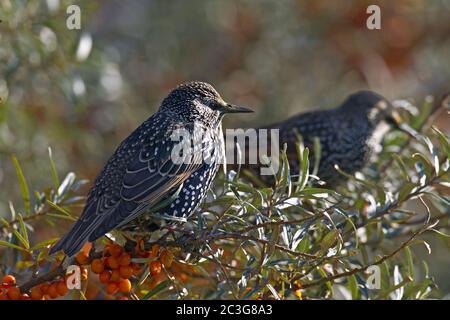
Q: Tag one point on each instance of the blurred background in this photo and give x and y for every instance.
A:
(82, 91)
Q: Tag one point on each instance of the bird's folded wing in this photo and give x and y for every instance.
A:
(150, 175)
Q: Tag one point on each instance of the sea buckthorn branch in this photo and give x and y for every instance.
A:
(225, 273)
(397, 204)
(8, 225)
(364, 268)
(264, 242)
(441, 106)
(59, 271)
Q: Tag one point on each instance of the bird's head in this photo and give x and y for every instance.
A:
(199, 101)
(373, 106)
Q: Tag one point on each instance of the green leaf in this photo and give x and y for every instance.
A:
(405, 191)
(433, 152)
(23, 230)
(353, 286)
(318, 192)
(424, 112)
(304, 167)
(23, 184)
(44, 243)
(60, 216)
(445, 142)
(58, 208)
(66, 184)
(409, 260)
(402, 166)
(144, 275)
(329, 239)
(53, 169)
(304, 245)
(5, 222)
(328, 283)
(21, 238)
(156, 290)
(425, 162)
(317, 148)
(10, 245)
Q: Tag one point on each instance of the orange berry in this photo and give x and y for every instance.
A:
(124, 286)
(166, 258)
(112, 262)
(44, 287)
(36, 293)
(8, 281)
(13, 293)
(91, 292)
(97, 266)
(61, 288)
(155, 268)
(122, 298)
(112, 288)
(82, 258)
(115, 275)
(115, 250)
(124, 259)
(126, 272)
(52, 291)
(105, 276)
(155, 250)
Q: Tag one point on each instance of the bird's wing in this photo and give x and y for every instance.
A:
(309, 125)
(139, 175)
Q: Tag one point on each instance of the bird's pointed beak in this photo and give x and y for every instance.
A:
(231, 108)
(397, 122)
(395, 119)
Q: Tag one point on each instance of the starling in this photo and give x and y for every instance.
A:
(348, 134)
(148, 168)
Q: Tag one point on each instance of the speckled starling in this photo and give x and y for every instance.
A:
(348, 134)
(145, 171)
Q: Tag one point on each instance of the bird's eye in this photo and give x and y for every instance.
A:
(216, 105)
(213, 104)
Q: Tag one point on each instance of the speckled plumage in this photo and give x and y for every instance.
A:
(142, 172)
(348, 134)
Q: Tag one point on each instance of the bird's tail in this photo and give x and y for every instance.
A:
(68, 245)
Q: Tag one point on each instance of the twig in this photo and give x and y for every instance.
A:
(277, 246)
(364, 268)
(59, 271)
(431, 118)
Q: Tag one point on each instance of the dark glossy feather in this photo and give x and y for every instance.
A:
(135, 178)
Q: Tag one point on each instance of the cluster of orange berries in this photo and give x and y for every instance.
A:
(9, 289)
(49, 290)
(114, 268)
(158, 261)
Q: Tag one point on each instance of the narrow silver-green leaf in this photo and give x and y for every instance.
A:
(53, 169)
(23, 184)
